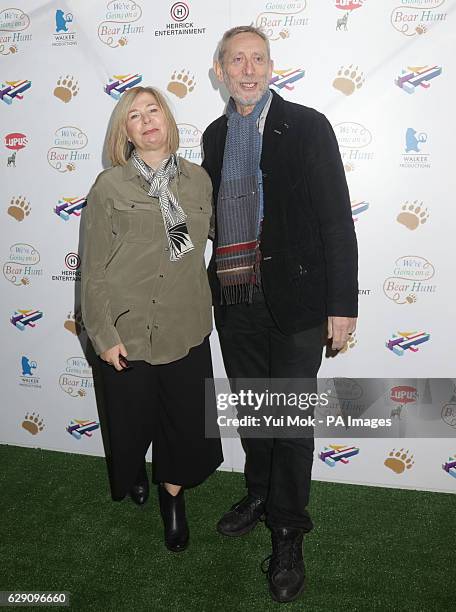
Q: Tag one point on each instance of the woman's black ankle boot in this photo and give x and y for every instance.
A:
(172, 509)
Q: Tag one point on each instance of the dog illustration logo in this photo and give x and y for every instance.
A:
(12, 160)
(342, 22)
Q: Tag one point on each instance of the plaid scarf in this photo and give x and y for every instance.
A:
(239, 203)
(173, 216)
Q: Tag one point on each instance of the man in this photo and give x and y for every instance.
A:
(284, 268)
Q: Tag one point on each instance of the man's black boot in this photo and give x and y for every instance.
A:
(242, 517)
(286, 572)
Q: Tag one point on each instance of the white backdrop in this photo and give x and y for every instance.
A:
(383, 73)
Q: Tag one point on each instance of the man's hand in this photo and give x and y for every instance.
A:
(339, 329)
(111, 356)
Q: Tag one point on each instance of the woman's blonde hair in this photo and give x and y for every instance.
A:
(118, 148)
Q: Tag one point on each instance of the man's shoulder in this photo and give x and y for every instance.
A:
(215, 125)
(301, 112)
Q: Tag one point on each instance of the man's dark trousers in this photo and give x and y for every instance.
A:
(276, 469)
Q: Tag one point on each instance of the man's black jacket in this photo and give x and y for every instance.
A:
(308, 242)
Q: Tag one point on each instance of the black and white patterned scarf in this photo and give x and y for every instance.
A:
(173, 216)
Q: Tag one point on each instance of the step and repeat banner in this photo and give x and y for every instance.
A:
(382, 72)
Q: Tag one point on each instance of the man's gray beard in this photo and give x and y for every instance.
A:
(244, 101)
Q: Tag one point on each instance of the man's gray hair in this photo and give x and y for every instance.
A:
(229, 34)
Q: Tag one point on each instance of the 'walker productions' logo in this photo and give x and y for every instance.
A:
(413, 215)
(70, 207)
(120, 23)
(72, 271)
(286, 78)
(413, 156)
(409, 341)
(22, 264)
(77, 378)
(28, 377)
(280, 19)
(415, 16)
(120, 83)
(354, 141)
(415, 77)
(13, 90)
(348, 6)
(358, 207)
(182, 23)
(14, 142)
(410, 278)
(13, 22)
(189, 142)
(337, 454)
(67, 149)
(25, 318)
(450, 466)
(64, 34)
(82, 427)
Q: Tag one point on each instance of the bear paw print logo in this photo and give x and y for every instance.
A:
(284, 33)
(181, 83)
(411, 299)
(349, 167)
(351, 343)
(74, 323)
(19, 208)
(348, 80)
(413, 215)
(67, 88)
(82, 393)
(33, 423)
(123, 41)
(399, 461)
(421, 29)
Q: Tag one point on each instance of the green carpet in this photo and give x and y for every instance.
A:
(371, 549)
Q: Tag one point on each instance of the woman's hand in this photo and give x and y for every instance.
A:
(112, 355)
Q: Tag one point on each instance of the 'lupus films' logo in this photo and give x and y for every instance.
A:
(14, 142)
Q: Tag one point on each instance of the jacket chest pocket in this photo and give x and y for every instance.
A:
(198, 218)
(134, 221)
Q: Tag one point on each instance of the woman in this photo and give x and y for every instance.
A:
(145, 297)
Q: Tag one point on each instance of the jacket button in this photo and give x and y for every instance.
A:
(132, 206)
(148, 327)
(155, 326)
(161, 275)
(153, 301)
